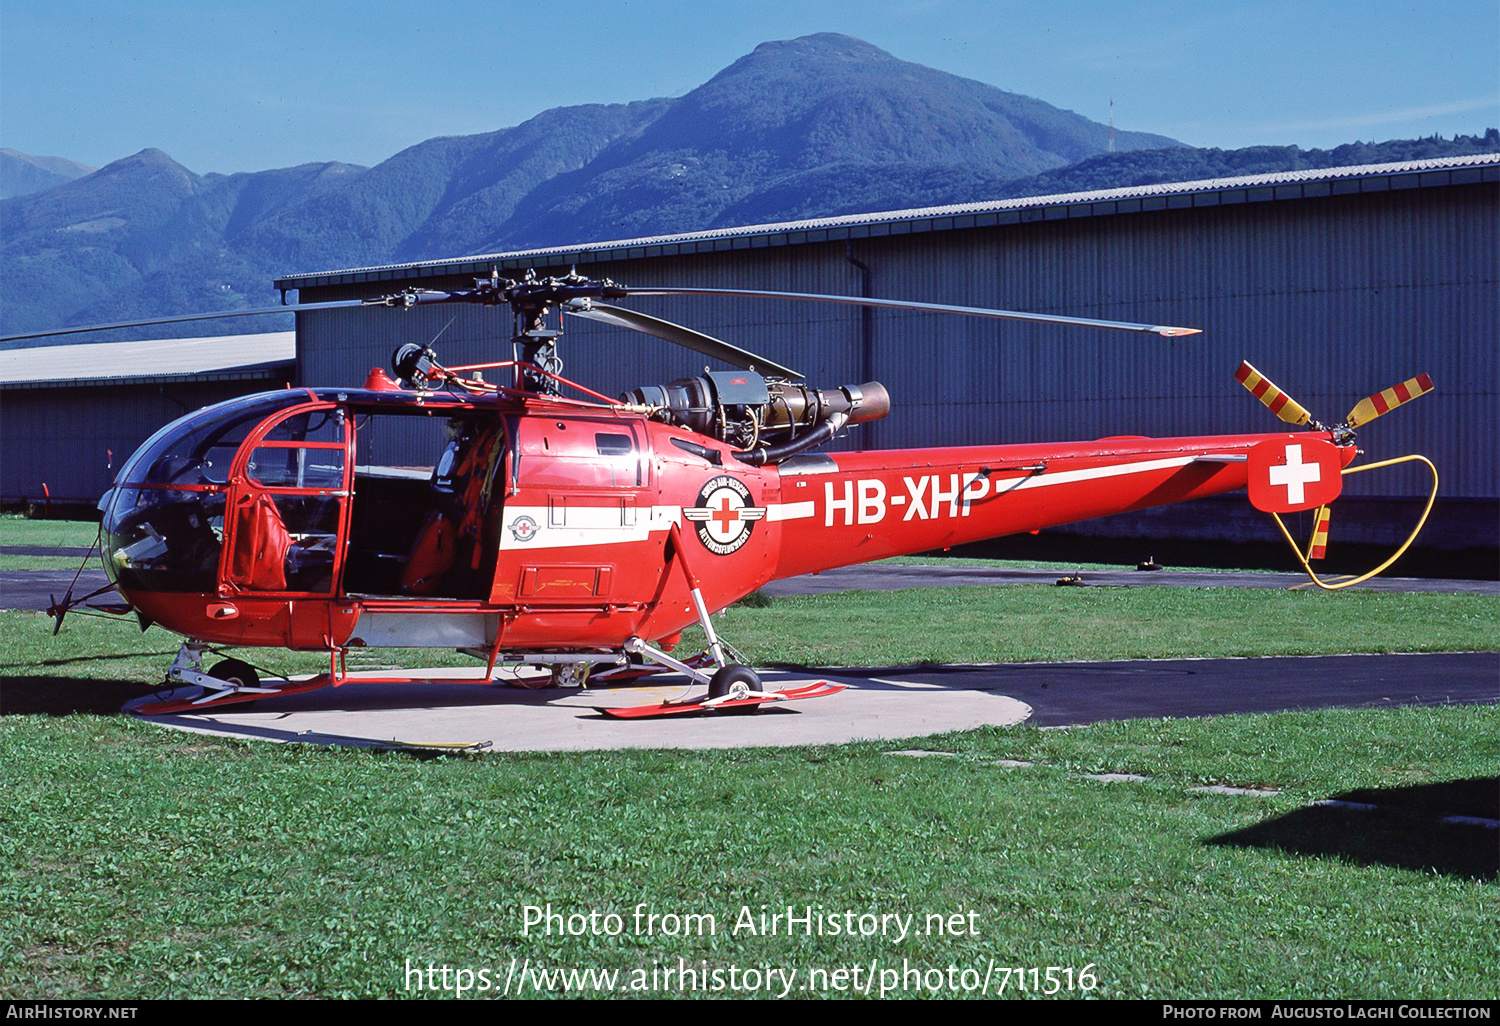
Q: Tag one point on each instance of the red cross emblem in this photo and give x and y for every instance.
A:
(724, 515)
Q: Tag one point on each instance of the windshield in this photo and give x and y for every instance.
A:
(198, 448)
(164, 518)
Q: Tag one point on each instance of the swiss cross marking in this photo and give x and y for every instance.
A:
(1285, 476)
(724, 516)
(1295, 475)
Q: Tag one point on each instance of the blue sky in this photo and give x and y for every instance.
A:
(252, 85)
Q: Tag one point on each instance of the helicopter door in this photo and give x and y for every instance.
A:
(289, 503)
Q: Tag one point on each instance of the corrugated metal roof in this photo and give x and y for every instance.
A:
(1205, 192)
(97, 363)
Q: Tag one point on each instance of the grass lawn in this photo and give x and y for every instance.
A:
(137, 861)
(9, 562)
(140, 861)
(1044, 623)
(18, 530)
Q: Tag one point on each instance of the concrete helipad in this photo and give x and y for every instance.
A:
(880, 703)
(504, 718)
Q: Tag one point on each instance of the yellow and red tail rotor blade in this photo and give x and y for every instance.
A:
(1277, 401)
(1369, 408)
(1318, 548)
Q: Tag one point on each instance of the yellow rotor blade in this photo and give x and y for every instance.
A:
(1318, 547)
(1369, 408)
(1277, 401)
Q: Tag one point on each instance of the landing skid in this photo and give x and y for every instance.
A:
(746, 700)
(731, 685)
(220, 697)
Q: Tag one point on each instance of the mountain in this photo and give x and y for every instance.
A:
(747, 145)
(144, 236)
(1119, 170)
(816, 126)
(435, 197)
(22, 173)
(797, 128)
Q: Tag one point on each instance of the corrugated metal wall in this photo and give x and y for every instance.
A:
(75, 439)
(1331, 297)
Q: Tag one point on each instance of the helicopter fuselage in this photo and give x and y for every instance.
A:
(316, 520)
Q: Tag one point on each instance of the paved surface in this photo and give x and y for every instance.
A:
(882, 704)
(1077, 693)
(553, 720)
(891, 577)
(29, 589)
(45, 550)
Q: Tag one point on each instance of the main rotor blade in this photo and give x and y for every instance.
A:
(1369, 408)
(678, 335)
(259, 312)
(901, 304)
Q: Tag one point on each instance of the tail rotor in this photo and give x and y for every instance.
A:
(1364, 411)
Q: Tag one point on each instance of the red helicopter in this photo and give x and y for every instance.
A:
(581, 534)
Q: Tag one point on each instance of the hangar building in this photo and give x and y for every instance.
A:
(71, 415)
(1335, 283)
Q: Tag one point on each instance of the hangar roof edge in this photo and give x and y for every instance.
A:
(218, 357)
(1204, 192)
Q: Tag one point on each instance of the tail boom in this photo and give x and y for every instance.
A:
(855, 507)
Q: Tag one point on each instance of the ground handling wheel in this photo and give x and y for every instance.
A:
(735, 681)
(239, 672)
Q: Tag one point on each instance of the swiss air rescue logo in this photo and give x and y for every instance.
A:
(523, 529)
(1285, 476)
(724, 515)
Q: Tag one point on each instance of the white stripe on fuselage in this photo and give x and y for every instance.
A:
(791, 511)
(583, 526)
(1063, 477)
(544, 527)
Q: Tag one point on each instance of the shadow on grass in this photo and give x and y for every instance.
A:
(1406, 828)
(69, 660)
(60, 696)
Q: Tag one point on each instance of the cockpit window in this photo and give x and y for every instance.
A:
(282, 466)
(316, 426)
(198, 448)
(164, 539)
(164, 521)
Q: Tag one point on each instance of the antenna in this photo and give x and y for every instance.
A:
(443, 329)
(1111, 124)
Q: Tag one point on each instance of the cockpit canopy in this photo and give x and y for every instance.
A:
(271, 475)
(164, 517)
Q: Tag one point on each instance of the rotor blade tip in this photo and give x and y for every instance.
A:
(1168, 332)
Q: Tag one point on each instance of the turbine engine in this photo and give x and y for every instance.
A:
(767, 420)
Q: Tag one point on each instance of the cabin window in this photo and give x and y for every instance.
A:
(296, 467)
(613, 445)
(426, 507)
